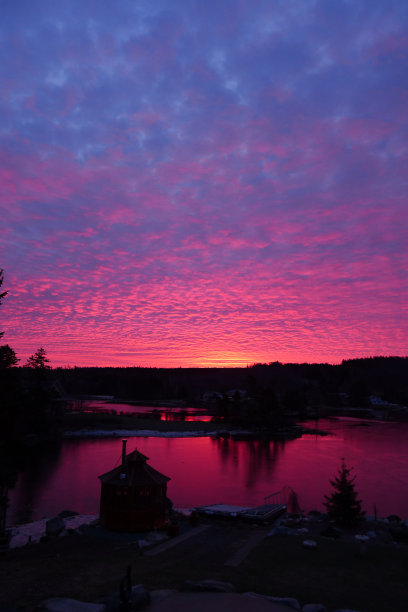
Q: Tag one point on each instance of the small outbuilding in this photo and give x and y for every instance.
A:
(133, 495)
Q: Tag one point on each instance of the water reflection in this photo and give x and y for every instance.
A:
(254, 458)
(206, 470)
(36, 466)
(164, 413)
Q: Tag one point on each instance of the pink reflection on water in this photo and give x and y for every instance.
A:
(164, 413)
(206, 470)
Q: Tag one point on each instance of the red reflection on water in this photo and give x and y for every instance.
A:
(161, 414)
(205, 470)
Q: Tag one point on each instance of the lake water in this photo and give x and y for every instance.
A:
(205, 470)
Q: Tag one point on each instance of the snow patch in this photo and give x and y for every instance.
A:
(33, 532)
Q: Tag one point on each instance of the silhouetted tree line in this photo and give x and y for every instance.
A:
(262, 393)
(29, 410)
(262, 390)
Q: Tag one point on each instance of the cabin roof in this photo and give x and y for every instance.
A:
(137, 473)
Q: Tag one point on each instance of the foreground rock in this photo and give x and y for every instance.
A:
(54, 526)
(289, 602)
(208, 586)
(194, 595)
(137, 599)
(61, 604)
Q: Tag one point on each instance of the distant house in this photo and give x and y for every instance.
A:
(133, 495)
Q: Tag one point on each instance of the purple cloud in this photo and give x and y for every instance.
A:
(197, 185)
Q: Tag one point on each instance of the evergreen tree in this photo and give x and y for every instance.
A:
(8, 358)
(2, 295)
(343, 504)
(38, 361)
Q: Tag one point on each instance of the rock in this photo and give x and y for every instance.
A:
(139, 599)
(67, 514)
(214, 586)
(399, 532)
(289, 522)
(54, 526)
(303, 530)
(281, 530)
(289, 602)
(310, 544)
(315, 517)
(394, 518)
(332, 532)
(60, 604)
(314, 608)
(160, 594)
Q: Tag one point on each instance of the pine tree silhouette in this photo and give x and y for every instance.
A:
(343, 504)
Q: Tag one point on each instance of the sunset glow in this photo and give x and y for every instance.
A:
(204, 184)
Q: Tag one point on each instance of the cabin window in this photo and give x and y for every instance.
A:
(143, 497)
(144, 492)
(120, 492)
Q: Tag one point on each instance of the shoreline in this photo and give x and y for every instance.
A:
(138, 433)
(89, 425)
(23, 534)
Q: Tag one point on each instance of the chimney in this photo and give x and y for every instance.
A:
(124, 462)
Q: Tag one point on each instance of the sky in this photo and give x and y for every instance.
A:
(204, 183)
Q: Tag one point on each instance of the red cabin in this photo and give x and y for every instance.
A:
(133, 495)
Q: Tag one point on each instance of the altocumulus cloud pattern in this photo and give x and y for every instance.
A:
(204, 183)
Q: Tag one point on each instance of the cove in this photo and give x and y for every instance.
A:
(206, 470)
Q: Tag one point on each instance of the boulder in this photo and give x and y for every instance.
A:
(138, 600)
(61, 604)
(160, 594)
(361, 537)
(54, 526)
(332, 532)
(399, 532)
(289, 602)
(310, 544)
(67, 514)
(281, 530)
(140, 597)
(314, 516)
(314, 608)
(394, 518)
(213, 586)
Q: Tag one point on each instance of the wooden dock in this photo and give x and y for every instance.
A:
(272, 507)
